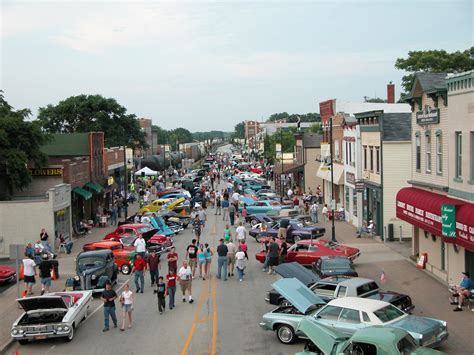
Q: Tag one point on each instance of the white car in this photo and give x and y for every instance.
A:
(54, 315)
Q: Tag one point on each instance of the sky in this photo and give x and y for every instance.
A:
(209, 65)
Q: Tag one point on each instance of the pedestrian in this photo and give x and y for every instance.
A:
(241, 263)
(273, 255)
(171, 286)
(191, 255)
(127, 300)
(172, 259)
(218, 205)
(45, 269)
(108, 297)
(231, 249)
(201, 259)
(232, 212)
(44, 239)
(185, 281)
(29, 273)
(314, 209)
(208, 253)
(243, 246)
(461, 291)
(197, 227)
(283, 252)
(244, 213)
(225, 208)
(325, 212)
(265, 249)
(113, 215)
(263, 233)
(161, 294)
(227, 233)
(240, 232)
(154, 266)
(139, 268)
(140, 246)
(202, 217)
(283, 228)
(119, 207)
(222, 259)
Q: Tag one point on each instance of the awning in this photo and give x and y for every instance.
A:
(326, 174)
(292, 168)
(83, 193)
(423, 209)
(94, 187)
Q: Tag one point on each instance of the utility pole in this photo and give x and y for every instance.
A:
(125, 202)
(333, 230)
(282, 162)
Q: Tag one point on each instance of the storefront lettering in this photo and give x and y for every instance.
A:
(419, 211)
(401, 204)
(448, 220)
(47, 172)
(428, 116)
(410, 208)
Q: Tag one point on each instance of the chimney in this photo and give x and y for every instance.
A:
(390, 93)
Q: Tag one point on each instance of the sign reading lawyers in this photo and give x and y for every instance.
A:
(428, 116)
(448, 220)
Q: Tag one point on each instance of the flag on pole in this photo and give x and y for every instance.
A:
(382, 277)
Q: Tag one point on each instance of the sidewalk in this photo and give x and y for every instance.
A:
(8, 305)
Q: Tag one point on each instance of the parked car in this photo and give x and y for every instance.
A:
(307, 251)
(53, 315)
(155, 205)
(338, 286)
(106, 244)
(254, 207)
(328, 266)
(285, 319)
(150, 234)
(123, 254)
(348, 314)
(94, 269)
(295, 232)
(7, 274)
(374, 340)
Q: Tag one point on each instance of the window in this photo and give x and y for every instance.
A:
(365, 157)
(472, 155)
(365, 317)
(341, 292)
(458, 156)
(388, 313)
(354, 203)
(428, 152)
(371, 158)
(350, 153)
(366, 288)
(377, 160)
(347, 152)
(348, 198)
(329, 313)
(418, 151)
(349, 316)
(439, 153)
(352, 149)
(336, 149)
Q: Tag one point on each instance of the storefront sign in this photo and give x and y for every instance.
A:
(278, 148)
(428, 116)
(110, 180)
(359, 186)
(47, 172)
(350, 178)
(448, 220)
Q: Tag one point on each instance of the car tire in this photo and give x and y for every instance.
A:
(23, 341)
(285, 334)
(126, 269)
(70, 336)
(296, 238)
(253, 222)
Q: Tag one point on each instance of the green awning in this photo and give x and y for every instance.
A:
(94, 187)
(83, 193)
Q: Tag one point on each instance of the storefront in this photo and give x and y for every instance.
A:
(443, 228)
(372, 205)
(353, 199)
(337, 187)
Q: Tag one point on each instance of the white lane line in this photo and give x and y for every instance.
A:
(102, 304)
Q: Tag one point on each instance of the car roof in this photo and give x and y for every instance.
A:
(101, 252)
(356, 281)
(329, 257)
(106, 242)
(364, 304)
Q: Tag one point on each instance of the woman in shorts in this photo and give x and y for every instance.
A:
(201, 259)
(126, 299)
(208, 254)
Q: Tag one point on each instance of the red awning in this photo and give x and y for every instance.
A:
(423, 209)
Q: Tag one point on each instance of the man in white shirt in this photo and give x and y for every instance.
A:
(29, 273)
(145, 220)
(140, 246)
(185, 276)
(202, 217)
(240, 232)
(290, 193)
(235, 197)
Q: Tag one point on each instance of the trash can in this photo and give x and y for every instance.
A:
(390, 232)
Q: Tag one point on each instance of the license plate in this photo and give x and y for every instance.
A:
(40, 337)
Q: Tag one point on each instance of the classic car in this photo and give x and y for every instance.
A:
(257, 218)
(162, 228)
(7, 274)
(348, 314)
(259, 206)
(334, 266)
(338, 286)
(94, 269)
(284, 320)
(123, 254)
(106, 244)
(167, 191)
(295, 232)
(166, 202)
(53, 315)
(374, 340)
(150, 234)
(182, 218)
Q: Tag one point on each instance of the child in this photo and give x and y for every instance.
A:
(161, 288)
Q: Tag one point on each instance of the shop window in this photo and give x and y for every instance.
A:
(439, 153)
(354, 203)
(377, 160)
(418, 151)
(433, 237)
(458, 155)
(365, 157)
(371, 158)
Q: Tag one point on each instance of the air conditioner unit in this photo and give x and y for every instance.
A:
(366, 175)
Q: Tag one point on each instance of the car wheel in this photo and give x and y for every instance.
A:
(283, 303)
(253, 222)
(296, 238)
(125, 269)
(286, 334)
(23, 341)
(70, 336)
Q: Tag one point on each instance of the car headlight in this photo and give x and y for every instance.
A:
(60, 329)
(21, 331)
(65, 328)
(93, 277)
(15, 331)
(445, 324)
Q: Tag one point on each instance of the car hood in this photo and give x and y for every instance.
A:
(90, 270)
(323, 337)
(300, 296)
(41, 302)
(176, 203)
(6, 270)
(297, 271)
(416, 324)
(149, 234)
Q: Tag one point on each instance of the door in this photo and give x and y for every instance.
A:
(349, 321)
(329, 315)
(469, 260)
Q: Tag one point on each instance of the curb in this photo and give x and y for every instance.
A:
(6, 345)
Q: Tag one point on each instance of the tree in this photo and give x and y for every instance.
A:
(377, 100)
(87, 113)
(179, 136)
(285, 137)
(20, 143)
(239, 130)
(162, 134)
(316, 128)
(285, 116)
(435, 61)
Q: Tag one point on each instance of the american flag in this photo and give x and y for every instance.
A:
(382, 277)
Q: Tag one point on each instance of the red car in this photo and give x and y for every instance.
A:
(7, 274)
(148, 233)
(167, 191)
(106, 244)
(306, 252)
(123, 255)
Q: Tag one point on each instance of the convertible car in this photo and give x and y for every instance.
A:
(7, 274)
(295, 232)
(157, 205)
(54, 315)
(306, 252)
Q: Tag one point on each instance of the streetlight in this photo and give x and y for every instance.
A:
(333, 230)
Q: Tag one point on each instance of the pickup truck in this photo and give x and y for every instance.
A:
(336, 287)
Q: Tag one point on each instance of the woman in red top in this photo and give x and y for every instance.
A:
(243, 247)
(172, 260)
(171, 286)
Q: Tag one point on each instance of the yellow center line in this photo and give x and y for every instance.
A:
(214, 318)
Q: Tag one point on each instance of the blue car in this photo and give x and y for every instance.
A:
(159, 223)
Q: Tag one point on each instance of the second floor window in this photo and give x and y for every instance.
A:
(365, 157)
(418, 153)
(458, 157)
(371, 158)
(439, 153)
(377, 160)
(428, 152)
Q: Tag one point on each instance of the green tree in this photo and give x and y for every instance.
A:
(20, 143)
(179, 136)
(87, 113)
(316, 128)
(162, 134)
(308, 117)
(285, 137)
(435, 61)
(239, 130)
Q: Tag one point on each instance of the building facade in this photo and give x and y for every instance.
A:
(146, 127)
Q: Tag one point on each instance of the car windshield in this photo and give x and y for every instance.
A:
(388, 313)
(127, 241)
(336, 263)
(90, 262)
(407, 345)
(144, 230)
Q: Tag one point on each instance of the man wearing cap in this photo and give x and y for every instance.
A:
(462, 291)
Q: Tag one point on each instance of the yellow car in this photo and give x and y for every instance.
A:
(159, 204)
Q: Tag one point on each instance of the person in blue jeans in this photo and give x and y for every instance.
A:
(222, 251)
(139, 268)
(108, 297)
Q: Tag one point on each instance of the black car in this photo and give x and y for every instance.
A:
(328, 266)
(94, 269)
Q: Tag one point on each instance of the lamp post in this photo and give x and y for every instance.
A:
(125, 202)
(282, 163)
(333, 229)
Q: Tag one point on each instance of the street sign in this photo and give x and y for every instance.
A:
(448, 220)
(359, 186)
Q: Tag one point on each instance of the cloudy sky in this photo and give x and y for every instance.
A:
(209, 65)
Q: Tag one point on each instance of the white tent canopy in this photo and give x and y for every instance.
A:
(147, 171)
